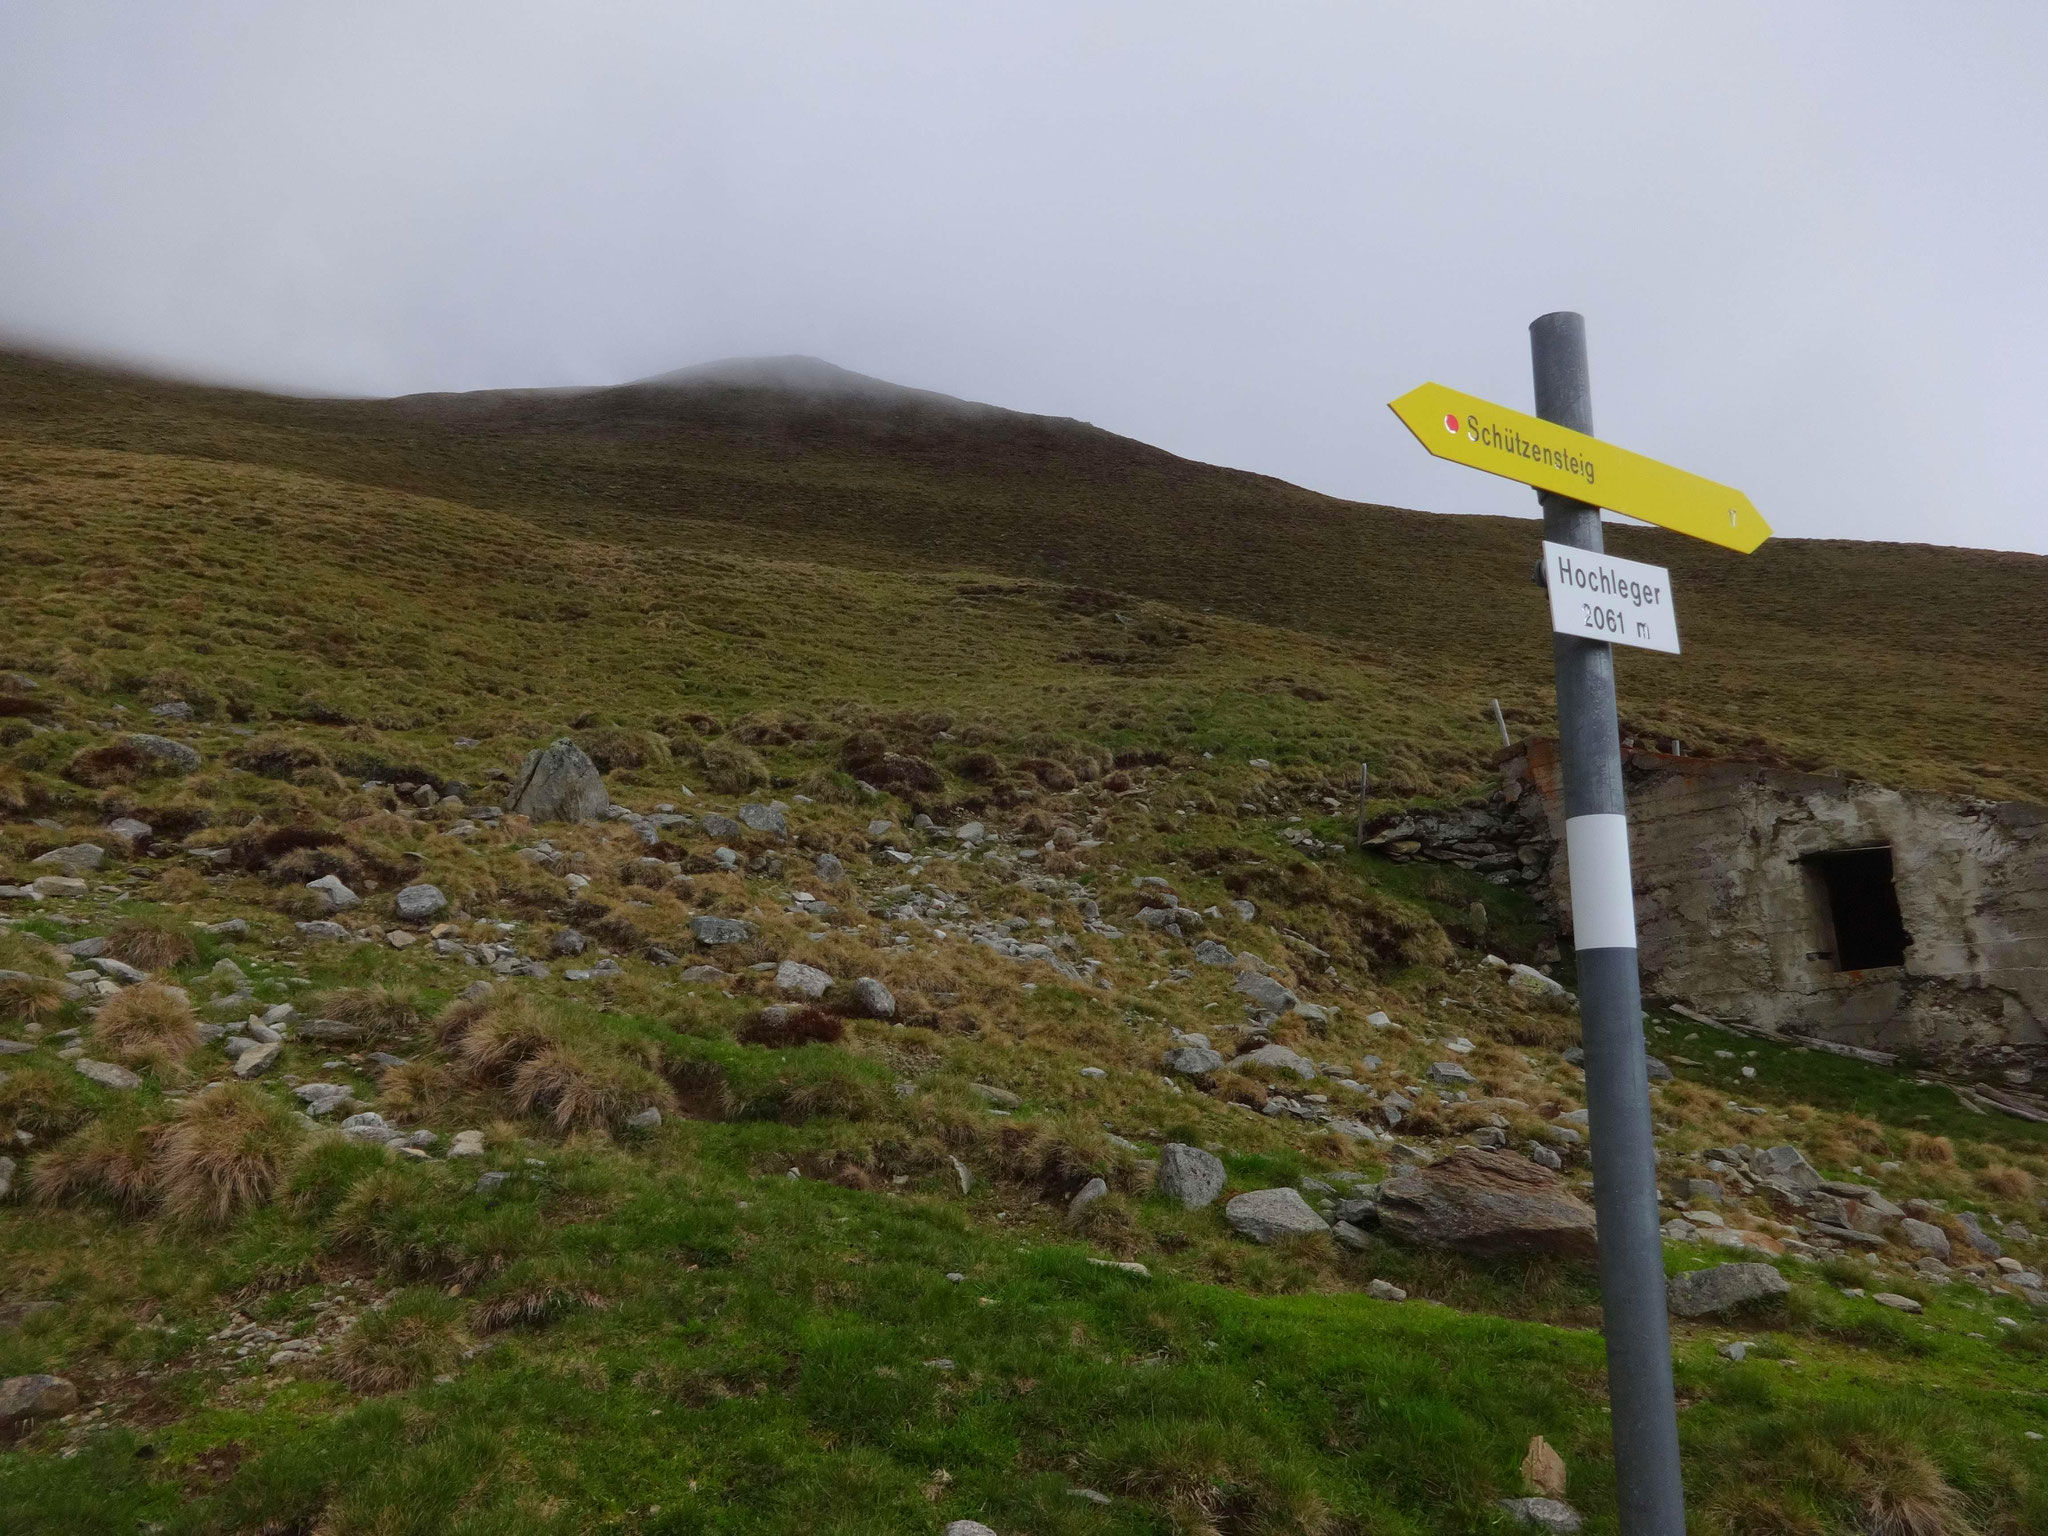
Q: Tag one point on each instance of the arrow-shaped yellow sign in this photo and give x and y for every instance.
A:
(1481, 435)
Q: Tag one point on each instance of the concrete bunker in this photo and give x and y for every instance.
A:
(1800, 904)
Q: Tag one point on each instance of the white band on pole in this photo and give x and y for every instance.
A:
(1603, 896)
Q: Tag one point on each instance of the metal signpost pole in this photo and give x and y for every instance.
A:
(1632, 1296)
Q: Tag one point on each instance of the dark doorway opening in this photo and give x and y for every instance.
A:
(1859, 907)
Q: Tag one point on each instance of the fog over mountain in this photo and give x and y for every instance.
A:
(1803, 236)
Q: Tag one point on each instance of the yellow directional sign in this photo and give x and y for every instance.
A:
(1481, 435)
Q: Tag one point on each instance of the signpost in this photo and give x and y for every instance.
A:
(1597, 602)
(1557, 457)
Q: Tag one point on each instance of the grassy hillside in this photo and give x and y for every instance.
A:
(1914, 665)
(837, 1281)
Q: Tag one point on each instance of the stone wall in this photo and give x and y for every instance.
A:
(1732, 922)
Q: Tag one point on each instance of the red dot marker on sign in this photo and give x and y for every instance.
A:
(1450, 423)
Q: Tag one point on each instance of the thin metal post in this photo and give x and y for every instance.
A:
(1632, 1295)
(1501, 720)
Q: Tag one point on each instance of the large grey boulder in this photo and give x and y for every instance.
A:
(1788, 1166)
(417, 902)
(77, 859)
(1706, 1292)
(1925, 1236)
(35, 1397)
(1487, 1202)
(710, 930)
(558, 782)
(1272, 1215)
(1193, 1060)
(1189, 1175)
(338, 896)
(164, 754)
(873, 999)
(768, 820)
(1276, 1058)
(793, 976)
(1265, 993)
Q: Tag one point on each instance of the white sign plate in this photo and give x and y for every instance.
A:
(1598, 597)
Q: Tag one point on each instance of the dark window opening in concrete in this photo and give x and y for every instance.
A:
(1859, 907)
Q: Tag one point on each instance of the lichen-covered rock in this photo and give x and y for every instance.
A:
(1487, 1202)
(1189, 1176)
(558, 782)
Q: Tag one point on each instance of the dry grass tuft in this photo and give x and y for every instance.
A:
(1904, 1494)
(380, 1011)
(409, 1341)
(732, 769)
(2006, 1181)
(227, 1150)
(148, 1024)
(111, 1159)
(151, 944)
(1922, 1148)
(802, 1026)
(25, 997)
(549, 1062)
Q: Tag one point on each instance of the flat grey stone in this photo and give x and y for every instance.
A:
(77, 859)
(106, 1073)
(829, 869)
(1265, 993)
(1787, 1165)
(1209, 952)
(1925, 1236)
(874, 1000)
(258, 1059)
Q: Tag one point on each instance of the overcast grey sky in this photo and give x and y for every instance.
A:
(1808, 237)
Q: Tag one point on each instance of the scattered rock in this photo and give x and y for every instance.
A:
(558, 782)
(646, 1120)
(1209, 952)
(873, 1000)
(1489, 1203)
(1383, 1290)
(967, 1528)
(164, 754)
(467, 1144)
(1265, 993)
(1000, 1098)
(258, 1059)
(321, 928)
(35, 1397)
(1269, 1215)
(1786, 1165)
(77, 859)
(1449, 1074)
(1276, 1058)
(1189, 1175)
(418, 902)
(1193, 1060)
(829, 870)
(106, 1073)
(1545, 1514)
(339, 897)
(1089, 1193)
(793, 976)
(1709, 1292)
(568, 942)
(768, 820)
(1925, 1236)
(1895, 1301)
(720, 930)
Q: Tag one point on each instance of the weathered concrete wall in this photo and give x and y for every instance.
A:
(1730, 920)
